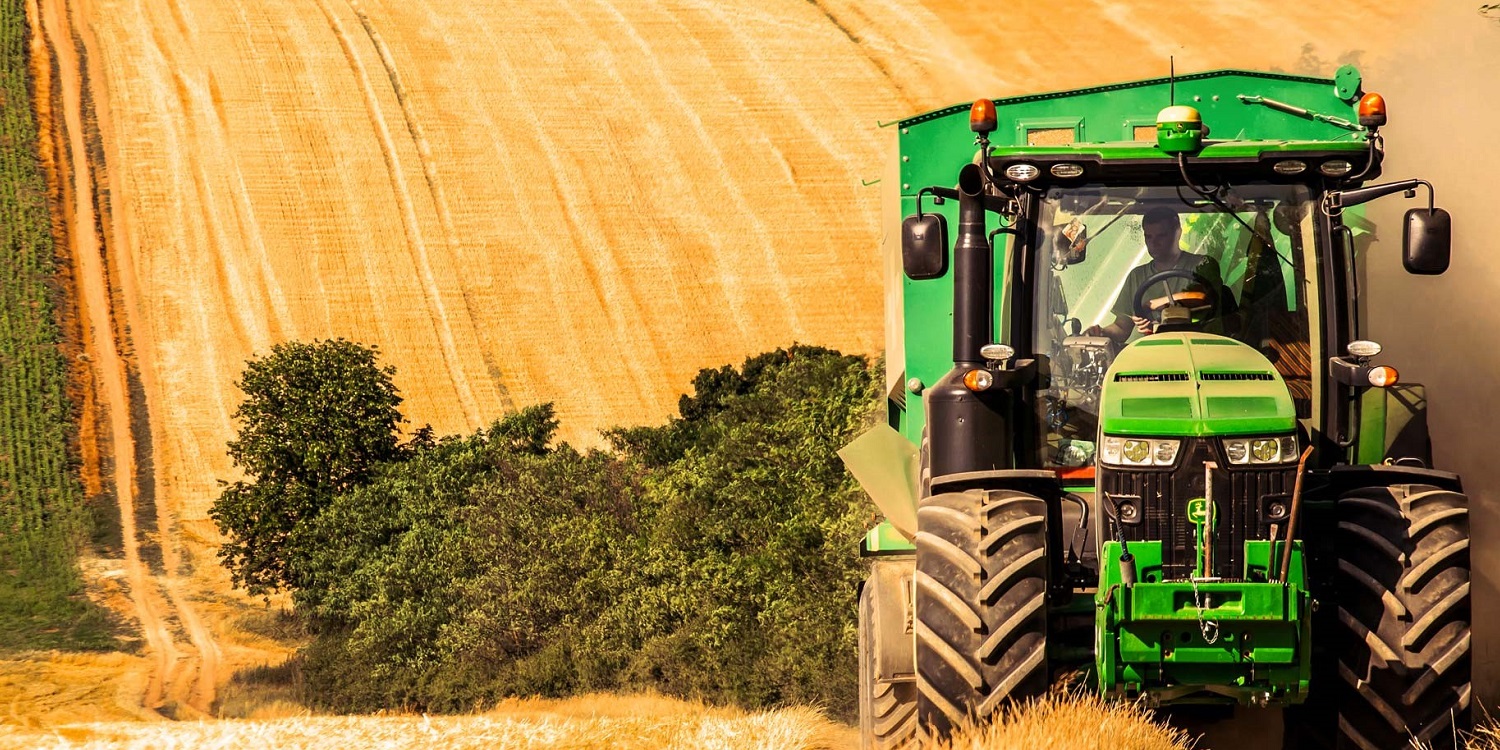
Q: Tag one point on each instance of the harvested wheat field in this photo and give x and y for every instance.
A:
(578, 724)
(597, 722)
(582, 202)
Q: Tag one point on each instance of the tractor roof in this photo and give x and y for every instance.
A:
(1186, 80)
(1118, 121)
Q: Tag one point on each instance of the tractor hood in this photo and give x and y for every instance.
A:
(1194, 384)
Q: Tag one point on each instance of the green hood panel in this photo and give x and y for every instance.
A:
(1194, 384)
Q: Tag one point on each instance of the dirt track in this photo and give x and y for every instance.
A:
(582, 202)
(182, 675)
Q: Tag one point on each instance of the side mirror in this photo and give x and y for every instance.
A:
(1427, 241)
(924, 243)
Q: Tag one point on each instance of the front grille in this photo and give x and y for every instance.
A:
(1151, 377)
(1164, 495)
(1236, 376)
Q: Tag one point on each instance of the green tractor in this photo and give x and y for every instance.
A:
(1135, 435)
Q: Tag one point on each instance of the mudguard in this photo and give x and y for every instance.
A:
(886, 465)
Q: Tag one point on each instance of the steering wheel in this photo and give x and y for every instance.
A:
(1211, 295)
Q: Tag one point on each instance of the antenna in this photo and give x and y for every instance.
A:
(1172, 79)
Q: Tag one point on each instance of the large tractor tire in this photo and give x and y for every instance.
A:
(981, 608)
(1403, 610)
(887, 707)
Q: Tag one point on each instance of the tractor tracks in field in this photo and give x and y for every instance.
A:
(443, 322)
(183, 657)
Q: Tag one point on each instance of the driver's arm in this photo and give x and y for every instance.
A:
(1121, 328)
(1125, 320)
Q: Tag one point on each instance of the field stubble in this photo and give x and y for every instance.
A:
(614, 722)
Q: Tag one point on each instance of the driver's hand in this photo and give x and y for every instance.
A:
(1144, 325)
(1094, 331)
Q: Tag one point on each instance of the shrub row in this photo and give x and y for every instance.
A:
(712, 557)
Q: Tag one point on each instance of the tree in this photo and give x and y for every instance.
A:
(714, 390)
(746, 592)
(317, 420)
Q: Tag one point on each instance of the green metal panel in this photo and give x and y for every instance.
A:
(1393, 424)
(1150, 635)
(1193, 405)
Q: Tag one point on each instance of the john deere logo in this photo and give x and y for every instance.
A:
(1197, 511)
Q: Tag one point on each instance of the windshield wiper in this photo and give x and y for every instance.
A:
(1292, 109)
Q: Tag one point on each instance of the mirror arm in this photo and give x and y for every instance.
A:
(994, 203)
(1338, 200)
(936, 199)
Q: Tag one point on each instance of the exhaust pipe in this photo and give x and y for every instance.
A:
(973, 272)
(970, 431)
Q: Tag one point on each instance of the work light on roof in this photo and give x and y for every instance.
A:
(1066, 170)
(1289, 166)
(1336, 167)
(1022, 172)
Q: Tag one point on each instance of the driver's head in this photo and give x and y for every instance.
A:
(1162, 229)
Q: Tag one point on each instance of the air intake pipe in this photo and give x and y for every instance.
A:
(973, 272)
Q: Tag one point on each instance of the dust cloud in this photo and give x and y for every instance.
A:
(1443, 94)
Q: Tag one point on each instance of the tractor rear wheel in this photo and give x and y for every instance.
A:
(887, 708)
(981, 609)
(1403, 612)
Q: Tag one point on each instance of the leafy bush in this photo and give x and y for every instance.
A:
(748, 585)
(449, 571)
(712, 557)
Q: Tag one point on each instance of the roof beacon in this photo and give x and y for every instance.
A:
(1372, 111)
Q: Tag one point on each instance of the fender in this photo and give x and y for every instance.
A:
(886, 465)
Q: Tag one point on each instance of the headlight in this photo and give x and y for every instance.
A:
(1139, 451)
(1111, 452)
(1261, 450)
(1238, 451)
(1264, 451)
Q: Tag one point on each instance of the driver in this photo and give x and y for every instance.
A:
(1163, 231)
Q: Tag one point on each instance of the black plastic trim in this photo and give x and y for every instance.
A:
(1002, 479)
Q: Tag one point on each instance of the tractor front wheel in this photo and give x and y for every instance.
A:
(981, 609)
(1403, 612)
(887, 707)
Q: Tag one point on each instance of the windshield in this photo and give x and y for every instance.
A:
(1238, 263)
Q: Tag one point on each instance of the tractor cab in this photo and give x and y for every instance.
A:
(1134, 429)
